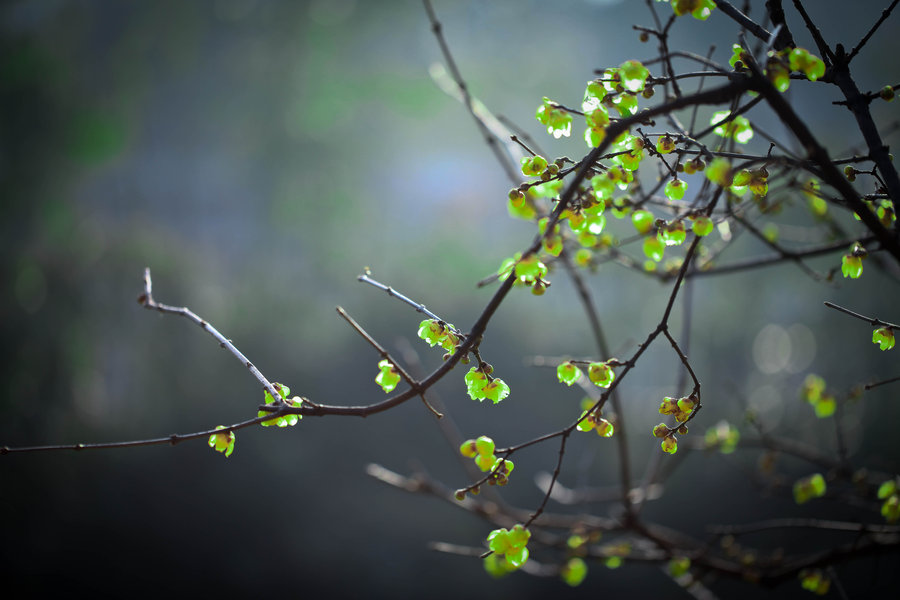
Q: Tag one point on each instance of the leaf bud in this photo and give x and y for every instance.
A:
(469, 448)
(661, 430)
(670, 445)
(687, 404)
(668, 406)
(485, 446)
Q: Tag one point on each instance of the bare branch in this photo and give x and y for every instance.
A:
(146, 300)
(171, 440)
(870, 320)
(385, 355)
(480, 114)
(884, 15)
(743, 20)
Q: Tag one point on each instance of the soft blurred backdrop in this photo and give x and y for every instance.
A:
(257, 156)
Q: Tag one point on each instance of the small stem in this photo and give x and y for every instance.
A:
(419, 307)
(684, 361)
(869, 386)
(559, 461)
(743, 20)
(414, 384)
(824, 49)
(802, 524)
(492, 140)
(146, 300)
(884, 15)
(871, 321)
(173, 439)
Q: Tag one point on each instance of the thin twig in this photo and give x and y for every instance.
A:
(419, 307)
(884, 15)
(827, 55)
(874, 322)
(802, 524)
(587, 304)
(709, 54)
(685, 362)
(787, 254)
(743, 20)
(524, 136)
(766, 261)
(172, 439)
(869, 386)
(492, 140)
(386, 356)
(146, 300)
(554, 477)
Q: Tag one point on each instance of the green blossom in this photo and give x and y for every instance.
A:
(737, 128)
(388, 377)
(883, 337)
(557, 121)
(699, 9)
(511, 544)
(222, 442)
(568, 373)
(809, 64)
(574, 571)
(808, 488)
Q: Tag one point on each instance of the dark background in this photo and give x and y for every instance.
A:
(257, 156)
